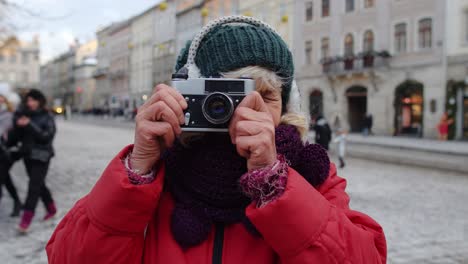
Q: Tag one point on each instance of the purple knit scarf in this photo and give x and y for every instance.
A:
(203, 179)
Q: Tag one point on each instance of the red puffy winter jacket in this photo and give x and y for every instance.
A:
(118, 222)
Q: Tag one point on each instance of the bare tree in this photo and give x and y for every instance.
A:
(13, 15)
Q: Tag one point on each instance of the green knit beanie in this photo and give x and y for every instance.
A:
(232, 46)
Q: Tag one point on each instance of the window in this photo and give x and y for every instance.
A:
(13, 58)
(325, 8)
(400, 38)
(309, 7)
(283, 9)
(325, 47)
(12, 76)
(24, 57)
(234, 8)
(349, 45)
(308, 52)
(425, 33)
(368, 43)
(466, 26)
(369, 3)
(25, 76)
(349, 6)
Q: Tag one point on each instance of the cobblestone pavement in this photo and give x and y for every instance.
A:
(424, 212)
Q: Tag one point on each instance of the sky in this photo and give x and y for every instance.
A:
(64, 20)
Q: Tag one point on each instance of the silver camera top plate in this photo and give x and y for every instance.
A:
(210, 85)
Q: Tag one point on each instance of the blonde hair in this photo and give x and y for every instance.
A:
(269, 80)
(9, 105)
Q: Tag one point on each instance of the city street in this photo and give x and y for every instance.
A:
(423, 212)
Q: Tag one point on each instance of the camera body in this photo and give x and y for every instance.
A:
(211, 101)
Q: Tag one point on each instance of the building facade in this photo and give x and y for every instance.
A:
(457, 67)
(141, 56)
(213, 9)
(119, 67)
(278, 14)
(103, 91)
(384, 58)
(85, 84)
(164, 45)
(189, 21)
(19, 63)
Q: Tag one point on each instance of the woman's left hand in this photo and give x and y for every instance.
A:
(252, 130)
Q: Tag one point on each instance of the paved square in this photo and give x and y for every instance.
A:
(423, 212)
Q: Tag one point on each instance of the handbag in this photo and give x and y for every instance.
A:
(40, 153)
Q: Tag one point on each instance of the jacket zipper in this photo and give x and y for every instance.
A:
(218, 244)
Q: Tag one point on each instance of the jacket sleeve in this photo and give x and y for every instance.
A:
(107, 225)
(308, 225)
(43, 133)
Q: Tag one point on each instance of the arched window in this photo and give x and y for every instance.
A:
(349, 45)
(368, 41)
(425, 33)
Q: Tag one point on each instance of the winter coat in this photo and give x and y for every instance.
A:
(6, 121)
(36, 138)
(341, 144)
(118, 222)
(322, 133)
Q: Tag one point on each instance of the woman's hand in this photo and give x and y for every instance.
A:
(23, 121)
(157, 125)
(252, 130)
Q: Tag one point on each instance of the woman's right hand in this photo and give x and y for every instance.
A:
(157, 125)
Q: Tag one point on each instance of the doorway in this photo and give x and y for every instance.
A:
(465, 117)
(315, 103)
(409, 109)
(357, 107)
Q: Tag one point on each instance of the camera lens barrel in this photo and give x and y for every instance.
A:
(218, 108)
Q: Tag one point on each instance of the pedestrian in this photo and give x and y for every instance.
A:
(7, 158)
(35, 130)
(443, 126)
(323, 132)
(367, 125)
(340, 140)
(255, 194)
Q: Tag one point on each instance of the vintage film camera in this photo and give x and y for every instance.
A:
(211, 101)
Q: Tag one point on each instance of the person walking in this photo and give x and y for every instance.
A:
(34, 131)
(367, 125)
(6, 156)
(443, 126)
(340, 140)
(323, 132)
(253, 194)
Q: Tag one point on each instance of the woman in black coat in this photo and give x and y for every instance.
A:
(6, 156)
(35, 130)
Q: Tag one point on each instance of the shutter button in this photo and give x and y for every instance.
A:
(187, 118)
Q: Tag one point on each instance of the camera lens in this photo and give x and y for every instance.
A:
(218, 108)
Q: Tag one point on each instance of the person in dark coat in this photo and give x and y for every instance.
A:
(6, 156)
(322, 132)
(367, 125)
(34, 131)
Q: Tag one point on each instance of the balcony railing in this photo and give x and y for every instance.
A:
(100, 72)
(354, 64)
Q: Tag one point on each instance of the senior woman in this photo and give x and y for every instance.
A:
(257, 194)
